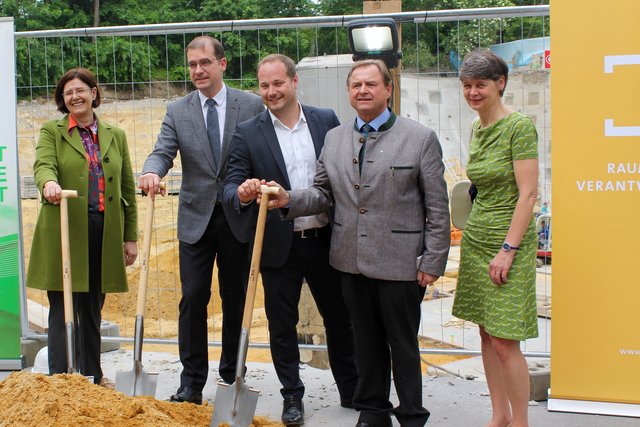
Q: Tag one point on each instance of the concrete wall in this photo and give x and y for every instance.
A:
(436, 101)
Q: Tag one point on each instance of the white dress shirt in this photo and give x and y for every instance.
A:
(300, 158)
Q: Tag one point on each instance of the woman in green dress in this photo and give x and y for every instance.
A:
(496, 282)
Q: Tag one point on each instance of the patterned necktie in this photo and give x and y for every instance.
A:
(213, 130)
(364, 130)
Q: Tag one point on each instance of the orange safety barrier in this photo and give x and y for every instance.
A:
(456, 236)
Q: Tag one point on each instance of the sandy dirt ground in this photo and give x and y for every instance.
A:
(64, 400)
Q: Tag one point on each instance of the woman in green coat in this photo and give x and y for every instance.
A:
(80, 152)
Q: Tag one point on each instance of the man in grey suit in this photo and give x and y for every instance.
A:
(282, 144)
(384, 177)
(200, 125)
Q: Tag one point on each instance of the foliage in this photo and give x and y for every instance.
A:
(417, 57)
(138, 59)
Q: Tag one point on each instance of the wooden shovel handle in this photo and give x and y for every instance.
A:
(144, 255)
(256, 254)
(67, 288)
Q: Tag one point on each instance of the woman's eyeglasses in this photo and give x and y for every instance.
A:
(79, 91)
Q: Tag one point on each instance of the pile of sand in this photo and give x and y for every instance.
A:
(63, 400)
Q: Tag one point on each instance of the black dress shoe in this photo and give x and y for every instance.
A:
(292, 411)
(187, 394)
(363, 424)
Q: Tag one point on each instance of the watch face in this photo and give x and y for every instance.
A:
(506, 247)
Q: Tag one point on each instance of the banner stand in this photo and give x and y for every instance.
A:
(589, 407)
(595, 344)
(11, 256)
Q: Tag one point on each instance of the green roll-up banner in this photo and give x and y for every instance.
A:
(9, 294)
(10, 244)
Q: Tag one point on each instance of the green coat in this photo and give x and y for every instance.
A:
(62, 158)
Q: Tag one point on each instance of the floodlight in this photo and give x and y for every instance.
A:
(374, 38)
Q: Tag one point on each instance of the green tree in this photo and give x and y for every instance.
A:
(40, 15)
(143, 58)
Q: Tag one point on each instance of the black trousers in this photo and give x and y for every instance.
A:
(196, 269)
(86, 312)
(309, 258)
(385, 317)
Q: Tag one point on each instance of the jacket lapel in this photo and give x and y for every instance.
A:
(230, 121)
(269, 133)
(73, 139)
(231, 118)
(314, 129)
(105, 137)
(195, 111)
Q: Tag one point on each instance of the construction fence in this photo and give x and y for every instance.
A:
(135, 96)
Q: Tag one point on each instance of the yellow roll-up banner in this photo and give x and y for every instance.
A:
(595, 346)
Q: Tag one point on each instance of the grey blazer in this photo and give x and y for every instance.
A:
(183, 130)
(396, 211)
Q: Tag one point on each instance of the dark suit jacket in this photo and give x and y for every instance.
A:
(255, 153)
(183, 129)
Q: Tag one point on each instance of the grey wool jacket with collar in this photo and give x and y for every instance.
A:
(396, 211)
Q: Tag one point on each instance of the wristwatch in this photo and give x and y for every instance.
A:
(507, 247)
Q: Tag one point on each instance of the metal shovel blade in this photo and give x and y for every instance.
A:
(235, 404)
(137, 382)
(71, 348)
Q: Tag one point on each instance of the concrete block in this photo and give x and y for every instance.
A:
(540, 379)
(315, 358)
(31, 347)
(109, 330)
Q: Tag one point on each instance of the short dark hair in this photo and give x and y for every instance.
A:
(485, 65)
(288, 63)
(87, 78)
(201, 42)
(386, 75)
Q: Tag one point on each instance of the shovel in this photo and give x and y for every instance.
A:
(138, 382)
(67, 288)
(235, 404)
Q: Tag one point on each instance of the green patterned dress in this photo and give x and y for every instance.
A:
(507, 311)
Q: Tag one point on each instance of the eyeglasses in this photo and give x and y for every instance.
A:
(80, 91)
(203, 63)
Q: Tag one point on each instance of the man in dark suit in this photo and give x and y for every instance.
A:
(283, 144)
(200, 126)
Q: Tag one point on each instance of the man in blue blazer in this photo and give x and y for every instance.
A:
(282, 144)
(200, 126)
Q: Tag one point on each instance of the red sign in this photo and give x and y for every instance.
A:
(547, 59)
